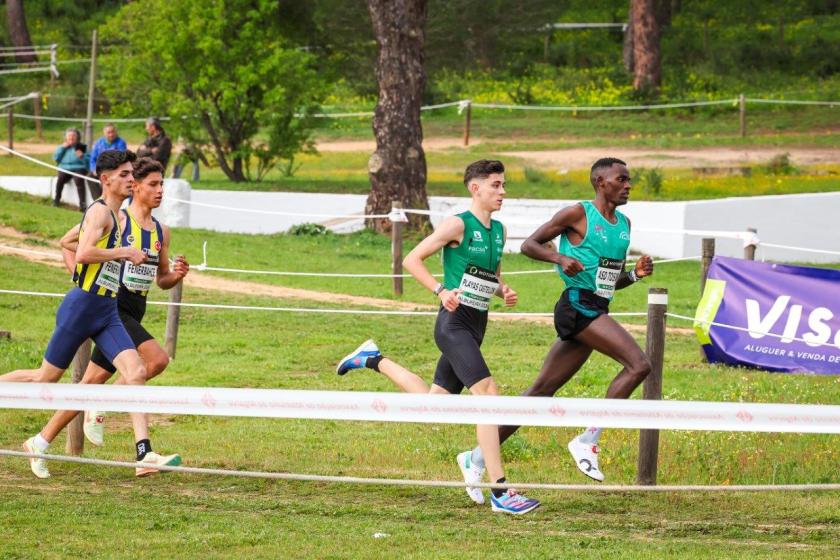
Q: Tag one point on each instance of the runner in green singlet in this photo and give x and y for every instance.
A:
(590, 260)
(472, 246)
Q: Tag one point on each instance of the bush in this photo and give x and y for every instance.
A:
(780, 165)
(308, 229)
(534, 174)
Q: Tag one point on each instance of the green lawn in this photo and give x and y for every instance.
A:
(104, 513)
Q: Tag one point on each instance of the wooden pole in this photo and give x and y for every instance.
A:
(36, 110)
(11, 124)
(467, 122)
(749, 250)
(91, 87)
(652, 389)
(742, 114)
(173, 317)
(708, 253)
(75, 434)
(397, 249)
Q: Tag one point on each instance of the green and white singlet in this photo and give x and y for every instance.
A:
(602, 252)
(472, 265)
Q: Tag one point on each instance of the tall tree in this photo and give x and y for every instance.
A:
(398, 166)
(647, 71)
(18, 31)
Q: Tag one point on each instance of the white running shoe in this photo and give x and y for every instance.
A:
(586, 458)
(472, 475)
(94, 427)
(38, 466)
(152, 460)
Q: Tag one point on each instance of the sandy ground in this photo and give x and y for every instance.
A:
(577, 158)
(12, 242)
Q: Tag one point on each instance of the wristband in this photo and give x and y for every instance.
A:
(632, 276)
(438, 289)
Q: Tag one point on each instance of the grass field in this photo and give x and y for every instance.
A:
(106, 513)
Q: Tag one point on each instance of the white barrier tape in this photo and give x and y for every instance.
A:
(15, 100)
(437, 409)
(433, 483)
(753, 331)
(575, 108)
(741, 235)
(318, 310)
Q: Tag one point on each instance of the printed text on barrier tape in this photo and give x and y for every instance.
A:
(441, 409)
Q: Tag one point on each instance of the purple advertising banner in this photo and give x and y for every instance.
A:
(792, 313)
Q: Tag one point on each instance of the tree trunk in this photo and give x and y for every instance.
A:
(398, 166)
(18, 32)
(646, 55)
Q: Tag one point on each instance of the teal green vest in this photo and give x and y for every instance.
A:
(480, 250)
(602, 252)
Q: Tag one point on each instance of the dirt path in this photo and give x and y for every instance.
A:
(577, 158)
(12, 242)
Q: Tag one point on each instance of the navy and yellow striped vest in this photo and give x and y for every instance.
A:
(139, 278)
(102, 279)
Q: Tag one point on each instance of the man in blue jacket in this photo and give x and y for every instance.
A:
(72, 161)
(109, 141)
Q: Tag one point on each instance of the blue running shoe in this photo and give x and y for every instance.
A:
(513, 503)
(358, 357)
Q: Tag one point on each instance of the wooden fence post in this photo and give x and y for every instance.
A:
(11, 125)
(742, 114)
(652, 389)
(397, 249)
(36, 110)
(708, 253)
(749, 250)
(467, 122)
(75, 434)
(173, 317)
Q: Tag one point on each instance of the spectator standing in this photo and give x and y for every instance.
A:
(110, 141)
(157, 145)
(71, 156)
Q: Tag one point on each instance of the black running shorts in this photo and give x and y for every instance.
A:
(459, 335)
(131, 308)
(575, 310)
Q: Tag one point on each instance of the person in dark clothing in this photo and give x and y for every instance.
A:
(157, 145)
(71, 156)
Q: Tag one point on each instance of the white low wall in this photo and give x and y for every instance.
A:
(803, 220)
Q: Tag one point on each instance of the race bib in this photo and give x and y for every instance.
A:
(109, 276)
(477, 287)
(607, 275)
(139, 278)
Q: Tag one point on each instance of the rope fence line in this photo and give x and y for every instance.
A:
(752, 331)
(315, 309)
(461, 104)
(433, 483)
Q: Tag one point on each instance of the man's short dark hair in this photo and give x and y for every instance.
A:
(145, 166)
(603, 163)
(109, 160)
(481, 169)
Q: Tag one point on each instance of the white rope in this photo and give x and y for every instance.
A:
(81, 119)
(315, 309)
(47, 165)
(573, 108)
(431, 483)
(15, 100)
(804, 249)
(792, 102)
(752, 331)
